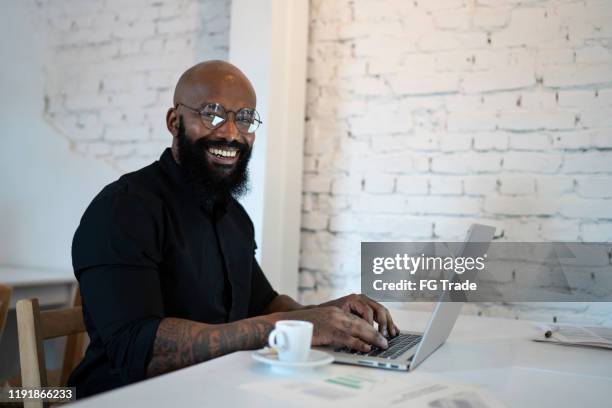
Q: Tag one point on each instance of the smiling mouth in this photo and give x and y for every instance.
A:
(224, 156)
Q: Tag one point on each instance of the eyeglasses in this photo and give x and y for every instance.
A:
(214, 115)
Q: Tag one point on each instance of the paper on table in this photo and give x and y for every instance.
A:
(362, 390)
(576, 335)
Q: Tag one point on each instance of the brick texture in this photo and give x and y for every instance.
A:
(422, 116)
(110, 68)
(427, 116)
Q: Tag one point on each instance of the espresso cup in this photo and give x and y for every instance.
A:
(291, 339)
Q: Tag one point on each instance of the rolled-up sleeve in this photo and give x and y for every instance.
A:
(116, 252)
(262, 292)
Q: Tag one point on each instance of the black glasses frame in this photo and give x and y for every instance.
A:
(200, 111)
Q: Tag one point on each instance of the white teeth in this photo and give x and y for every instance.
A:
(223, 153)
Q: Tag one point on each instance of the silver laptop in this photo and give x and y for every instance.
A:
(409, 349)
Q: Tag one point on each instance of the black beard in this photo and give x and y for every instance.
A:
(215, 183)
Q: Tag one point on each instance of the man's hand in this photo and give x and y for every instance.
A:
(369, 310)
(336, 327)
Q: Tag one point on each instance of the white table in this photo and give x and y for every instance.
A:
(52, 287)
(495, 353)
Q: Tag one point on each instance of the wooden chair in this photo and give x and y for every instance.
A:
(5, 300)
(34, 326)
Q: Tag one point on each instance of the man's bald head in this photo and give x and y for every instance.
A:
(215, 158)
(211, 81)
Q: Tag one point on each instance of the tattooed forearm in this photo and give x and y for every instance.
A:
(181, 343)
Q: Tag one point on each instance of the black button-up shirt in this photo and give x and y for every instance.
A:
(147, 248)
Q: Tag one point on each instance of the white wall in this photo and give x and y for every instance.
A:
(85, 86)
(422, 117)
(105, 72)
(111, 66)
(274, 58)
(45, 187)
(426, 116)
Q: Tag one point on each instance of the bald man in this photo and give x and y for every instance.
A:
(165, 255)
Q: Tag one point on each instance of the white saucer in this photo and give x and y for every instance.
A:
(316, 358)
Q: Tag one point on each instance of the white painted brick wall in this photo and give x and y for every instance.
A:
(110, 68)
(423, 117)
(426, 116)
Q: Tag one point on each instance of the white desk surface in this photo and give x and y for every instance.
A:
(21, 276)
(52, 287)
(495, 353)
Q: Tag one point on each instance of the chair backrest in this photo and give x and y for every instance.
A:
(5, 300)
(34, 326)
(75, 344)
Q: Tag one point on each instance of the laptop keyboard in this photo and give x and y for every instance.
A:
(397, 346)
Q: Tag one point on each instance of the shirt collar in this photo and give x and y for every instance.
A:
(213, 207)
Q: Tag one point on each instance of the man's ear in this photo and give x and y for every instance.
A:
(172, 121)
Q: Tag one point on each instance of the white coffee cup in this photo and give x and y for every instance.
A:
(291, 339)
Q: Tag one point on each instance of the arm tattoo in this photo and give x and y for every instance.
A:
(181, 343)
